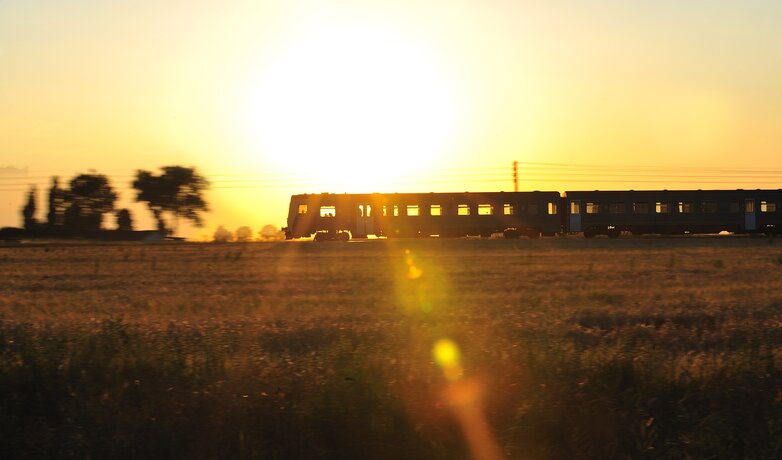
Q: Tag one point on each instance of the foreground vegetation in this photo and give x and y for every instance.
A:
(637, 348)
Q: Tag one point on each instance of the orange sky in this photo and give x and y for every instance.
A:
(273, 98)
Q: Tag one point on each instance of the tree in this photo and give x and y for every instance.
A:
(243, 234)
(28, 211)
(178, 191)
(57, 204)
(270, 232)
(124, 221)
(222, 235)
(90, 196)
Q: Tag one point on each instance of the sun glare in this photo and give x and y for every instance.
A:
(357, 104)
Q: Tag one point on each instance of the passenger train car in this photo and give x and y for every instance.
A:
(334, 216)
(343, 216)
(672, 212)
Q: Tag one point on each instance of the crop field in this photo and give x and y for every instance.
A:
(558, 348)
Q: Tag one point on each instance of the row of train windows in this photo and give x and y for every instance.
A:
(661, 207)
(413, 210)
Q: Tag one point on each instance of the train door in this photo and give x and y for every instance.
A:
(574, 212)
(750, 222)
(364, 220)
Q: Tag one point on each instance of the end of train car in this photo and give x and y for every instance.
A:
(671, 212)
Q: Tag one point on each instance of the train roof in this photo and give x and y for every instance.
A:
(676, 192)
(540, 192)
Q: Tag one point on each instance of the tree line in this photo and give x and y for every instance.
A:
(244, 234)
(79, 208)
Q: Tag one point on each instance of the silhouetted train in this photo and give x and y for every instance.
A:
(532, 214)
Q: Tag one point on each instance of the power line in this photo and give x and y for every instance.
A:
(533, 171)
(647, 168)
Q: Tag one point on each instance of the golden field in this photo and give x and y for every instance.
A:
(565, 348)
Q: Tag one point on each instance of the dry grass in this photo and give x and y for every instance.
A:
(636, 348)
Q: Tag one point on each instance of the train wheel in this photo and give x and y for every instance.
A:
(511, 233)
(614, 233)
(343, 236)
(533, 234)
(589, 233)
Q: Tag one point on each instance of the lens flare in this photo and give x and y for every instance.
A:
(464, 397)
(413, 272)
(448, 356)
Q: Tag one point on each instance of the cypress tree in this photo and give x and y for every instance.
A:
(56, 204)
(28, 211)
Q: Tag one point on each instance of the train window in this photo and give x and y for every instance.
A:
(709, 206)
(532, 208)
(593, 208)
(302, 209)
(749, 206)
(734, 206)
(328, 211)
(616, 208)
(661, 208)
(684, 207)
(413, 210)
(552, 208)
(641, 208)
(396, 210)
(508, 209)
(575, 207)
(463, 210)
(485, 210)
(435, 210)
(768, 206)
(364, 210)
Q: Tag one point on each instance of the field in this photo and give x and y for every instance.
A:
(559, 348)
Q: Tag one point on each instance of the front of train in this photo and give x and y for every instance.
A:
(297, 214)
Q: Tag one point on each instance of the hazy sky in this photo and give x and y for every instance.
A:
(273, 98)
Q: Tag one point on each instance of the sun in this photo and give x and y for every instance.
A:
(354, 105)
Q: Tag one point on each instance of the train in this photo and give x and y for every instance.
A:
(330, 216)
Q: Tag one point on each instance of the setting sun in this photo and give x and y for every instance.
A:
(353, 103)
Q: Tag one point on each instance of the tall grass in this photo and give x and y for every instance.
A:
(584, 349)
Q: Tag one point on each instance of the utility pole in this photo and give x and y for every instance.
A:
(515, 176)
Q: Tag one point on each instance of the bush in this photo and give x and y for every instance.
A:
(271, 233)
(243, 234)
(223, 235)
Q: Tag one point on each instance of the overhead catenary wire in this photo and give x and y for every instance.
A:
(536, 172)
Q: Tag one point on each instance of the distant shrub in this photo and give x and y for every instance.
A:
(243, 234)
(223, 235)
(271, 233)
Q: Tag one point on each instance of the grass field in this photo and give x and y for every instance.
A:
(561, 348)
